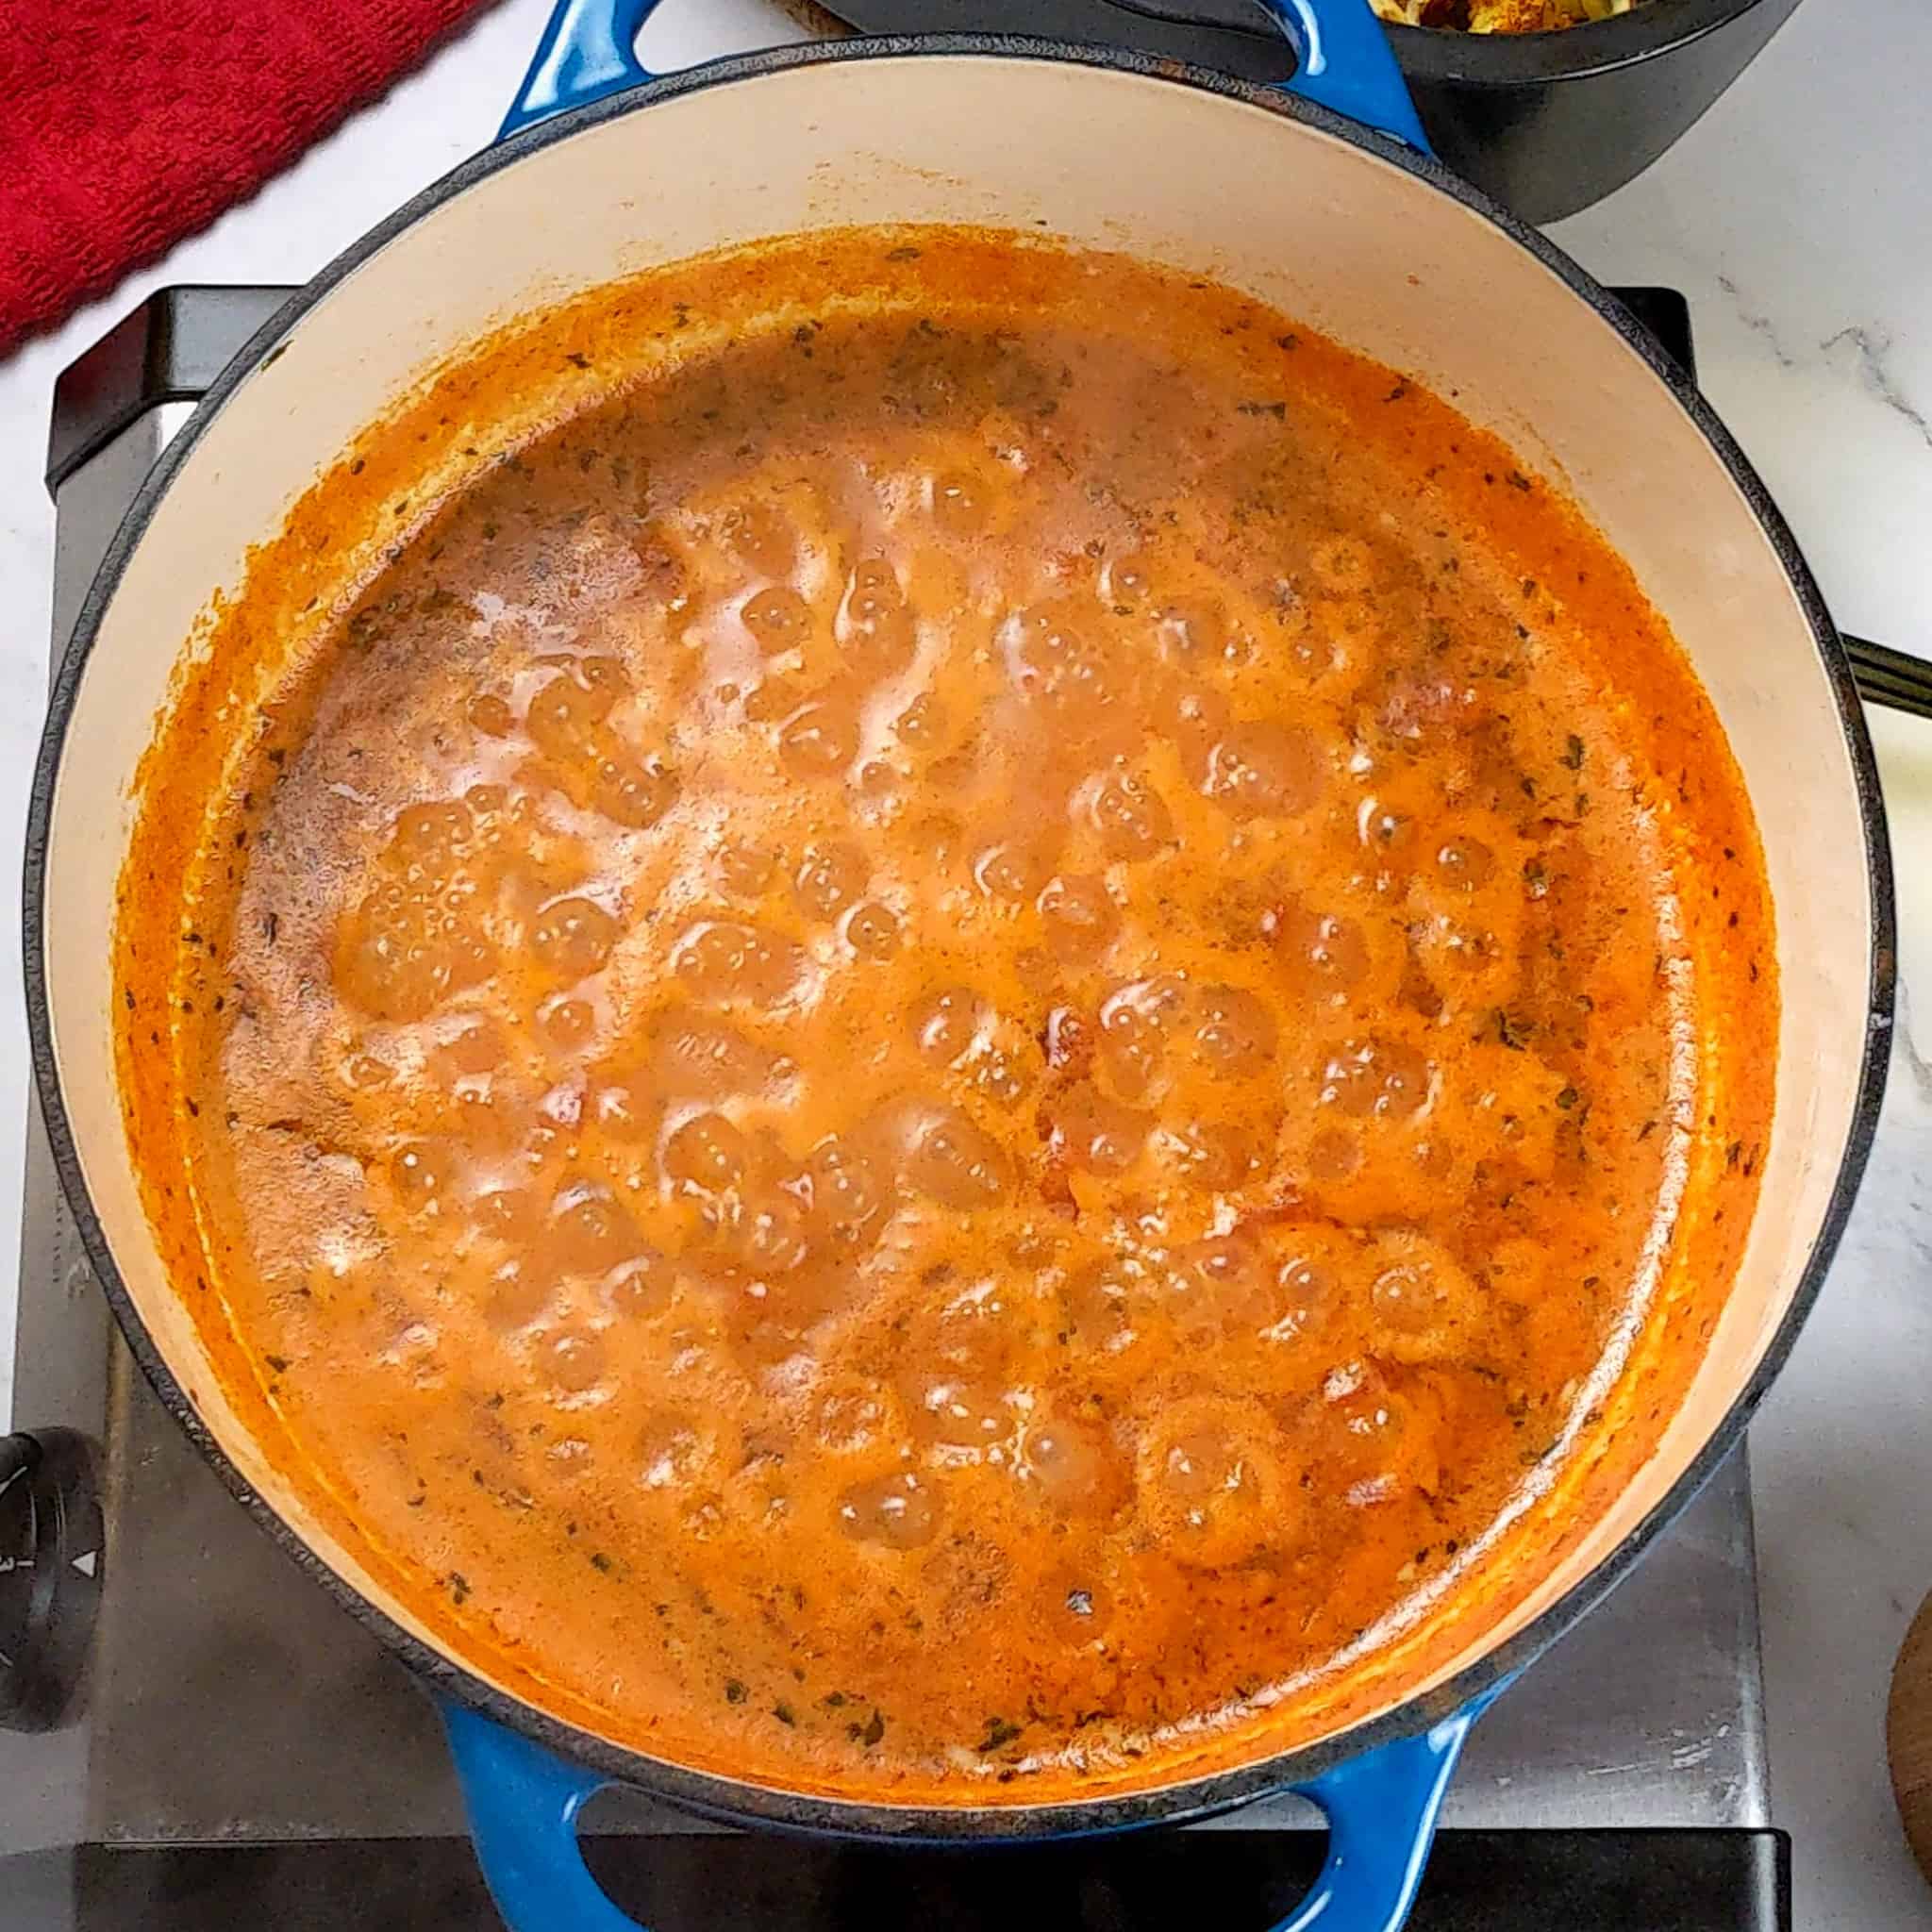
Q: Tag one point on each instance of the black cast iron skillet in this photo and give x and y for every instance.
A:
(1545, 123)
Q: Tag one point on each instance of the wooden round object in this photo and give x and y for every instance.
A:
(1908, 1736)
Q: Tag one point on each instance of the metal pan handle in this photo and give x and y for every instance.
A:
(589, 49)
(522, 1804)
(1343, 62)
(1381, 1807)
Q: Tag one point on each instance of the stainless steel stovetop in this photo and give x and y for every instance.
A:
(226, 1702)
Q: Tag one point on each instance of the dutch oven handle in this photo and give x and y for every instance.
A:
(1343, 62)
(522, 1804)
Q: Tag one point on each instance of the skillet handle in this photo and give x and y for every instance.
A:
(1343, 62)
(522, 1804)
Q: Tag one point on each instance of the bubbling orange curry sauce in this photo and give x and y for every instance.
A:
(985, 1031)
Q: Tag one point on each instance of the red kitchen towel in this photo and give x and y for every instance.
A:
(126, 125)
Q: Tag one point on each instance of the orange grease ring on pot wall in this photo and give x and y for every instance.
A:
(935, 1057)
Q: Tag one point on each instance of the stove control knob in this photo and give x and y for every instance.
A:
(50, 1574)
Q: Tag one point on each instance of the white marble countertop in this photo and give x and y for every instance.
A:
(1797, 217)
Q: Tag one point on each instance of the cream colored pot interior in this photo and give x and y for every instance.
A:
(1327, 233)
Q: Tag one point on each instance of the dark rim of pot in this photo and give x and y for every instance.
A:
(721, 1797)
(1567, 53)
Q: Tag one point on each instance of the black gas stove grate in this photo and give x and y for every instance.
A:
(1478, 1881)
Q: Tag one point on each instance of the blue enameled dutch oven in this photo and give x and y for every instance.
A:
(1321, 198)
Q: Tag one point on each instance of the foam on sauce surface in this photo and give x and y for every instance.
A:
(949, 1044)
